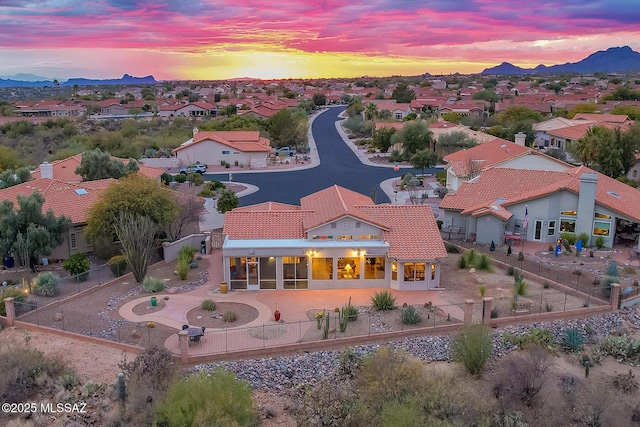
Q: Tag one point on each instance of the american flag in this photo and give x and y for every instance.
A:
(526, 218)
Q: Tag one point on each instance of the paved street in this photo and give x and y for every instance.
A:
(338, 165)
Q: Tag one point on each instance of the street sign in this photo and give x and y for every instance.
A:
(396, 168)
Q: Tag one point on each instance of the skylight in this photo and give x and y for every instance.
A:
(611, 193)
(81, 191)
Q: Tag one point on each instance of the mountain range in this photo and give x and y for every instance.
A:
(31, 80)
(614, 59)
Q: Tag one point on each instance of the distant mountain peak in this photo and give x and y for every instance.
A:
(614, 59)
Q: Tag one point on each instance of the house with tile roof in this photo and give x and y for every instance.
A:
(73, 200)
(65, 170)
(216, 147)
(492, 207)
(335, 239)
(464, 165)
(191, 109)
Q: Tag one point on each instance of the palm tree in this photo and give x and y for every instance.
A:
(371, 112)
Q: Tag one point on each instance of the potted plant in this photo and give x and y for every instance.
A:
(276, 315)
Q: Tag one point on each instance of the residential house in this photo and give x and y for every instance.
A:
(467, 164)
(398, 110)
(543, 130)
(634, 171)
(335, 239)
(62, 198)
(217, 147)
(192, 109)
(493, 206)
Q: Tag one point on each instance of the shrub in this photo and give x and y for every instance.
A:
(485, 263)
(77, 265)
(154, 367)
(349, 361)
(383, 300)
(520, 256)
(214, 399)
(166, 178)
(27, 371)
(620, 347)
(573, 340)
(117, 265)
(151, 284)
(452, 249)
(483, 291)
(14, 293)
(180, 178)
(208, 305)
(625, 382)
(612, 269)
(183, 269)
(350, 311)
(229, 317)
(462, 262)
(472, 347)
(471, 257)
(186, 253)
(567, 245)
(410, 316)
(571, 238)
(585, 239)
(47, 285)
(511, 270)
(206, 193)
(600, 242)
(520, 288)
(536, 336)
(196, 179)
(216, 185)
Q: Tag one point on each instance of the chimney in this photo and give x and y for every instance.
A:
(195, 131)
(520, 138)
(46, 170)
(586, 203)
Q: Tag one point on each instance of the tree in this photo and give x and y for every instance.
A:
(371, 111)
(27, 231)
(96, 165)
(11, 177)
(9, 159)
(287, 128)
(227, 201)
(582, 108)
(424, 159)
(453, 141)
(382, 139)
(403, 94)
(355, 107)
(190, 210)
(319, 98)
(137, 237)
(134, 194)
(414, 136)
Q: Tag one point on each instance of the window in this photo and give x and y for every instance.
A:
(267, 270)
(634, 173)
(569, 213)
(369, 237)
(322, 269)
(334, 225)
(345, 225)
(348, 268)
(345, 237)
(294, 270)
(567, 225)
(358, 224)
(394, 270)
(374, 268)
(602, 216)
(414, 271)
(316, 237)
(551, 231)
(74, 244)
(398, 116)
(601, 228)
(225, 151)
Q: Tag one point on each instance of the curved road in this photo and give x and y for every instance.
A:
(338, 165)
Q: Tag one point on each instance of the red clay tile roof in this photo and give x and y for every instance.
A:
(413, 234)
(487, 154)
(411, 231)
(65, 169)
(571, 132)
(504, 187)
(60, 197)
(246, 141)
(333, 203)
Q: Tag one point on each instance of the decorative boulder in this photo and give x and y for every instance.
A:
(472, 270)
(58, 316)
(135, 334)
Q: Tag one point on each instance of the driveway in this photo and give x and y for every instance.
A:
(338, 165)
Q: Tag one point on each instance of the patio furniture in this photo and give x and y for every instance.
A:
(195, 334)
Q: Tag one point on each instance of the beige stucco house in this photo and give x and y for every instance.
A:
(217, 147)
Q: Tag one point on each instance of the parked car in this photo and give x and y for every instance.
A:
(197, 168)
(287, 151)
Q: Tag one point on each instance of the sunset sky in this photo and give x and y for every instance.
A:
(223, 39)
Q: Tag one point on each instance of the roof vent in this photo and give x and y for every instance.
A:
(81, 191)
(495, 208)
(503, 145)
(611, 193)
